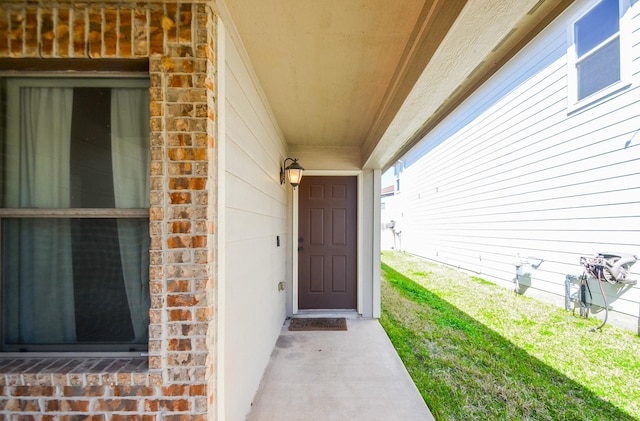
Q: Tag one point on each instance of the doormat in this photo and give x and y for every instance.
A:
(320, 323)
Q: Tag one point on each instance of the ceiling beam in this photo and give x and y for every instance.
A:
(425, 107)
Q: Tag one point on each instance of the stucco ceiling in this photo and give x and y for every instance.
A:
(372, 74)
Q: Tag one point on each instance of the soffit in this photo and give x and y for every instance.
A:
(370, 74)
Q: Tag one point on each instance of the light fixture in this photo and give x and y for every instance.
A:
(293, 172)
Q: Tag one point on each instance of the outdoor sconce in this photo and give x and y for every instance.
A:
(293, 172)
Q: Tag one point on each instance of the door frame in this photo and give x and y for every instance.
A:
(294, 233)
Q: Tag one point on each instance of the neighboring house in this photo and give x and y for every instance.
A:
(391, 210)
(150, 252)
(387, 217)
(541, 163)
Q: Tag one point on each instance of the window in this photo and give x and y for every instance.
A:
(74, 220)
(596, 56)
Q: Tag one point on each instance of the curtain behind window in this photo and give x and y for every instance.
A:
(38, 264)
(130, 160)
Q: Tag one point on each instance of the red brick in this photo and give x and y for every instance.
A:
(110, 33)
(17, 34)
(199, 241)
(185, 16)
(180, 227)
(32, 391)
(197, 390)
(179, 345)
(95, 34)
(179, 315)
(83, 417)
(175, 405)
(47, 34)
(151, 405)
(156, 33)
(181, 300)
(184, 390)
(28, 405)
(141, 378)
(133, 391)
(202, 314)
(179, 286)
(31, 41)
(71, 405)
(156, 379)
(116, 417)
(181, 212)
(169, 23)
(178, 242)
(140, 41)
(124, 36)
(200, 154)
(62, 32)
(179, 198)
(9, 404)
(197, 183)
(52, 405)
(180, 81)
(124, 378)
(155, 363)
(15, 405)
(120, 405)
(180, 168)
(180, 359)
(190, 417)
(181, 154)
(83, 391)
(179, 183)
(79, 40)
(4, 38)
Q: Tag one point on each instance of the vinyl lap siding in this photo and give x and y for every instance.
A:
(513, 172)
(255, 213)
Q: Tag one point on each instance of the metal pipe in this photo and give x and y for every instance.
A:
(567, 291)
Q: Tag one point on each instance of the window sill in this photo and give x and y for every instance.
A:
(74, 370)
(597, 97)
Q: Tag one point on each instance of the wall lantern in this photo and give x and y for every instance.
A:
(293, 172)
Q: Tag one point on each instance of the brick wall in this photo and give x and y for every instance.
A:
(177, 380)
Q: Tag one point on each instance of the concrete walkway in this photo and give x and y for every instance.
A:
(353, 375)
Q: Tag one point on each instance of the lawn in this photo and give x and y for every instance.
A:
(478, 351)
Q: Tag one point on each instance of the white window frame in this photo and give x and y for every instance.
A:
(625, 57)
(40, 79)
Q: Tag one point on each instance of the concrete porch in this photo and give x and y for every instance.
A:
(337, 375)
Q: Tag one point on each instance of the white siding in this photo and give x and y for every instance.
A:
(512, 171)
(255, 214)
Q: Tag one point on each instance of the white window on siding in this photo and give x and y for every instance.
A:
(74, 219)
(597, 52)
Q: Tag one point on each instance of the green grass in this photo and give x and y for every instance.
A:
(478, 351)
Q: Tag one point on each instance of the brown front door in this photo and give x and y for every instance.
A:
(327, 243)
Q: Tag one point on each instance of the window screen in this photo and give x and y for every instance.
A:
(74, 217)
(597, 44)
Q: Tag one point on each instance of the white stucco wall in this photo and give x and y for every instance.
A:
(516, 170)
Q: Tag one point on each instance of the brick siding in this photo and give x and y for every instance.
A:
(177, 380)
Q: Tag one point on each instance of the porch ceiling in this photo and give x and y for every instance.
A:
(375, 75)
